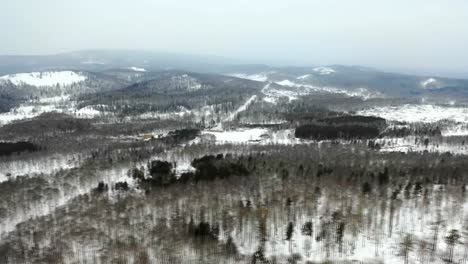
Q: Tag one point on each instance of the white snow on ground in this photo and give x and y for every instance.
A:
(87, 112)
(456, 130)
(425, 113)
(270, 99)
(242, 108)
(408, 144)
(54, 99)
(324, 70)
(375, 242)
(430, 83)
(165, 116)
(109, 176)
(238, 136)
(59, 104)
(273, 95)
(190, 83)
(307, 89)
(286, 83)
(93, 62)
(254, 136)
(183, 166)
(34, 165)
(24, 112)
(137, 69)
(41, 79)
(303, 77)
(205, 111)
(418, 113)
(261, 77)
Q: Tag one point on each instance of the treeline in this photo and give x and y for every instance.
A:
(207, 168)
(8, 148)
(342, 127)
(418, 129)
(329, 132)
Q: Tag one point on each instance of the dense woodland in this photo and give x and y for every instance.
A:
(308, 202)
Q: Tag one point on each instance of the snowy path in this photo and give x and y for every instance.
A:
(242, 108)
(265, 88)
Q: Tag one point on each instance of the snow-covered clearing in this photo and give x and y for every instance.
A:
(418, 113)
(59, 104)
(41, 79)
(254, 136)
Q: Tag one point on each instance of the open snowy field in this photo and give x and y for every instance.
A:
(261, 136)
(43, 79)
(35, 108)
(418, 113)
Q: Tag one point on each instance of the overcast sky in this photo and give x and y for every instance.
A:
(427, 35)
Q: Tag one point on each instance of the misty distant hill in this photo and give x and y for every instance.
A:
(96, 60)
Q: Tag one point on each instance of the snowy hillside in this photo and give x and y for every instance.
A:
(41, 79)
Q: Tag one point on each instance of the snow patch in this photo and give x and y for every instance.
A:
(430, 83)
(88, 112)
(324, 70)
(137, 69)
(287, 83)
(91, 62)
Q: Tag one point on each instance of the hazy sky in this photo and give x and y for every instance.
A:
(394, 34)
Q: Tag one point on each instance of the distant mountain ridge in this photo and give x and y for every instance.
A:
(100, 59)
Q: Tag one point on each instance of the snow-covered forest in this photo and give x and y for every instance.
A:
(275, 165)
